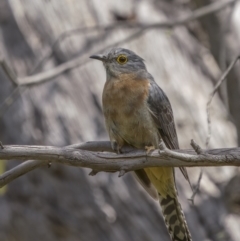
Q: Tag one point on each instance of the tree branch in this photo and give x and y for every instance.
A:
(20, 170)
(96, 155)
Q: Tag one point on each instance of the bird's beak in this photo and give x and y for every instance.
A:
(98, 56)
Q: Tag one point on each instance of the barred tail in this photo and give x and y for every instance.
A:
(163, 180)
(174, 218)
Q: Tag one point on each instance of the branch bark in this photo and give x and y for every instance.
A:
(96, 155)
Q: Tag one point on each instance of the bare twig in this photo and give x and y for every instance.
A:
(196, 147)
(196, 189)
(20, 170)
(111, 162)
(1, 145)
(199, 151)
(223, 77)
(9, 73)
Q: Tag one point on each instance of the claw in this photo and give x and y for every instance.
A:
(149, 149)
(116, 147)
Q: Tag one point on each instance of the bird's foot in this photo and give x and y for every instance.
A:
(116, 147)
(149, 149)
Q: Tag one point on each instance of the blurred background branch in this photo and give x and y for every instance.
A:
(215, 89)
(78, 61)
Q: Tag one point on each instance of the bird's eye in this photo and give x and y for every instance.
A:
(122, 59)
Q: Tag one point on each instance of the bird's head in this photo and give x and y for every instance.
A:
(119, 61)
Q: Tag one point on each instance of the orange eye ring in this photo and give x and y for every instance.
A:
(122, 59)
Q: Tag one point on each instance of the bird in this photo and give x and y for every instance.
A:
(138, 113)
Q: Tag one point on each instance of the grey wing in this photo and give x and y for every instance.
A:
(162, 113)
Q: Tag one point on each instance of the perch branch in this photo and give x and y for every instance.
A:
(111, 162)
(30, 165)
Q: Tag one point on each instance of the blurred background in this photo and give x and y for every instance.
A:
(64, 203)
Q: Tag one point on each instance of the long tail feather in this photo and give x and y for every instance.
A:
(174, 218)
(163, 180)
